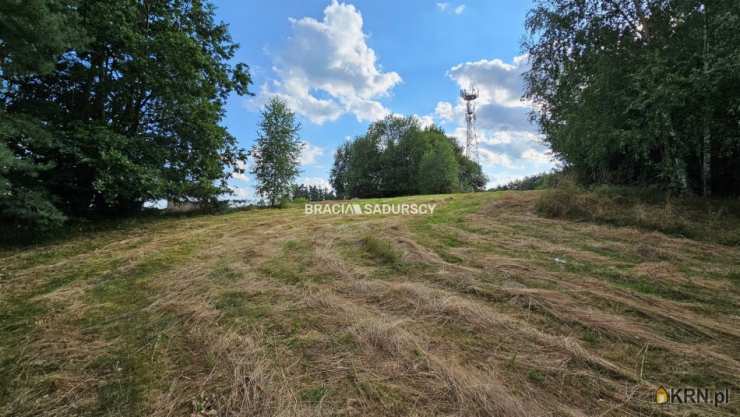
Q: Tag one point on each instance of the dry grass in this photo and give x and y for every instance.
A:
(484, 309)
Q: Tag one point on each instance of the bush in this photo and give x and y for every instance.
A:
(646, 208)
(300, 201)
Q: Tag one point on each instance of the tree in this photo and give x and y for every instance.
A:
(398, 157)
(339, 176)
(276, 152)
(439, 171)
(311, 192)
(24, 50)
(122, 99)
(472, 177)
(639, 91)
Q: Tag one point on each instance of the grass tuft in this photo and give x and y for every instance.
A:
(694, 218)
(383, 251)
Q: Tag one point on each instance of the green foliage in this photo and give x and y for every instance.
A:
(276, 152)
(24, 47)
(397, 157)
(472, 177)
(24, 202)
(303, 193)
(640, 92)
(533, 182)
(111, 105)
(438, 170)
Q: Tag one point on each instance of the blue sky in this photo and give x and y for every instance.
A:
(340, 65)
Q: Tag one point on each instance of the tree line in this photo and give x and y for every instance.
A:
(107, 104)
(396, 157)
(640, 91)
(312, 193)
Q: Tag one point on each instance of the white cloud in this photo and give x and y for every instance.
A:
(424, 121)
(502, 137)
(510, 146)
(326, 69)
(503, 180)
(315, 181)
(444, 110)
(536, 156)
(493, 158)
(498, 82)
(242, 193)
(310, 153)
(446, 7)
(239, 176)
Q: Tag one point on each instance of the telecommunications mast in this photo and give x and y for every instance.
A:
(471, 141)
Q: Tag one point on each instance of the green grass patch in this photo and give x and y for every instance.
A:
(17, 322)
(292, 265)
(734, 277)
(136, 363)
(438, 231)
(389, 396)
(592, 337)
(682, 292)
(314, 395)
(237, 306)
(225, 273)
(382, 251)
(535, 376)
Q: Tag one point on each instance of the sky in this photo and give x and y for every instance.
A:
(340, 65)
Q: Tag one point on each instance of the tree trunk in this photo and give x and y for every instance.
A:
(676, 166)
(706, 168)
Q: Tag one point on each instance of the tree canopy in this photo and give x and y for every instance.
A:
(640, 91)
(397, 157)
(277, 151)
(107, 104)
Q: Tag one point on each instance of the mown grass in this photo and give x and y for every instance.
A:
(383, 251)
(132, 368)
(473, 310)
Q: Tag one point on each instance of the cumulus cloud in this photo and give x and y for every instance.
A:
(444, 110)
(459, 9)
(442, 6)
(326, 69)
(242, 193)
(315, 181)
(493, 158)
(424, 121)
(536, 156)
(497, 81)
(309, 153)
(509, 144)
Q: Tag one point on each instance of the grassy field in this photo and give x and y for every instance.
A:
(483, 309)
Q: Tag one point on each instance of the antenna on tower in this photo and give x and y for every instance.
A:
(471, 139)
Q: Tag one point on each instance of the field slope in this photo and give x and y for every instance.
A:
(482, 309)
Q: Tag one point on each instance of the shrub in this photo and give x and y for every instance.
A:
(645, 208)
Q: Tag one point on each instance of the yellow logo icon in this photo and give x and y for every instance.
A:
(661, 395)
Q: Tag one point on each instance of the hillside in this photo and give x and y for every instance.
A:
(483, 308)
